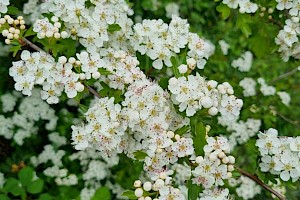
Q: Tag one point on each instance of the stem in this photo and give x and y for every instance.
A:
(295, 123)
(31, 44)
(285, 75)
(255, 178)
(92, 91)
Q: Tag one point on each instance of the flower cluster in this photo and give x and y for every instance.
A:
(11, 28)
(24, 123)
(32, 8)
(91, 24)
(166, 152)
(104, 128)
(214, 194)
(248, 84)
(287, 38)
(39, 68)
(216, 166)
(161, 41)
(243, 63)
(280, 155)
(195, 93)
(161, 186)
(245, 187)
(245, 6)
(46, 29)
(241, 131)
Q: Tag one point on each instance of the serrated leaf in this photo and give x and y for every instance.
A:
(15, 49)
(102, 193)
(36, 186)
(129, 194)
(243, 22)
(25, 175)
(29, 32)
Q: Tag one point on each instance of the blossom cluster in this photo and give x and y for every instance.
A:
(23, 123)
(91, 24)
(241, 131)
(214, 194)
(40, 68)
(162, 185)
(249, 86)
(11, 28)
(245, 187)
(167, 152)
(244, 63)
(288, 37)
(249, 89)
(215, 166)
(195, 93)
(245, 6)
(46, 29)
(164, 41)
(280, 155)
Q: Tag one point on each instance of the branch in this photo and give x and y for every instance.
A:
(30, 44)
(255, 178)
(92, 91)
(295, 123)
(286, 74)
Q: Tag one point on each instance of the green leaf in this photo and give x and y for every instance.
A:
(25, 175)
(113, 27)
(225, 10)
(36, 186)
(4, 197)
(11, 10)
(140, 155)
(199, 134)
(29, 32)
(129, 194)
(175, 67)
(243, 22)
(103, 71)
(182, 130)
(193, 190)
(83, 108)
(45, 197)
(13, 186)
(102, 193)
(15, 49)
(164, 82)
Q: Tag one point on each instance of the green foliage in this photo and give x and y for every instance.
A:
(193, 190)
(199, 135)
(102, 193)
